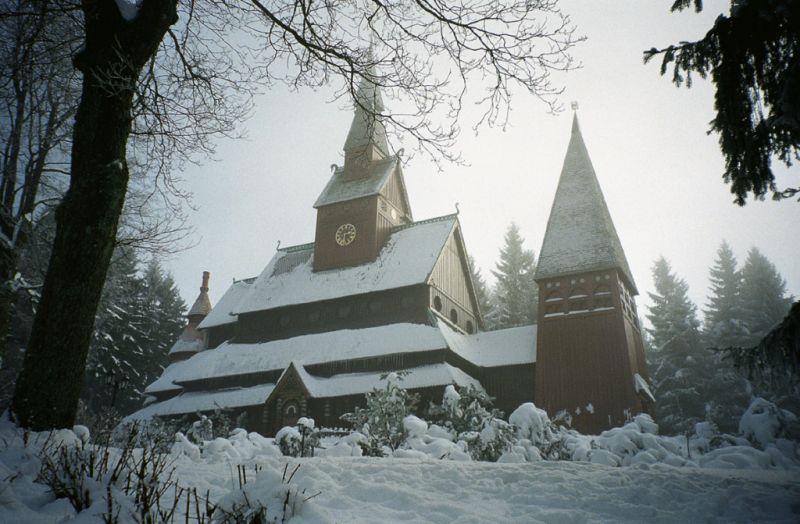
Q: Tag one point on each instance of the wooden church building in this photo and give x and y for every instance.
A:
(378, 291)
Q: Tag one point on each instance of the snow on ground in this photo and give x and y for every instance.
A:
(361, 489)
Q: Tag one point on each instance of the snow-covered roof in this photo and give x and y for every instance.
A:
(503, 347)
(225, 310)
(359, 383)
(230, 359)
(186, 346)
(192, 402)
(407, 259)
(339, 189)
(580, 234)
(495, 348)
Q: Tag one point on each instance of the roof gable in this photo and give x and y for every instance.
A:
(407, 259)
(454, 247)
(580, 234)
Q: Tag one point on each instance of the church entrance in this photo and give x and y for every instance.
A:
(290, 413)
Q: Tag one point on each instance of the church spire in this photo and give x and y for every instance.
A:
(366, 140)
(580, 234)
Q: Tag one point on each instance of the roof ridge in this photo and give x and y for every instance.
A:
(421, 222)
(295, 248)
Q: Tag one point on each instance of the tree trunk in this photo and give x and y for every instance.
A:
(115, 51)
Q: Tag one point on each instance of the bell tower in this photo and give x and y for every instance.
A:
(366, 197)
(590, 358)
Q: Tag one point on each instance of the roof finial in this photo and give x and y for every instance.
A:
(204, 287)
(574, 105)
(457, 210)
(279, 245)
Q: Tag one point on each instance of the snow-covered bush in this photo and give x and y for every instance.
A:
(534, 429)
(423, 443)
(271, 498)
(764, 422)
(351, 445)
(467, 416)
(300, 440)
(127, 484)
(381, 421)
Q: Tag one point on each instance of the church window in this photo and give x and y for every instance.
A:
(344, 311)
(454, 316)
(375, 306)
(437, 303)
(470, 327)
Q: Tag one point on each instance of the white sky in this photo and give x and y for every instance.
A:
(659, 170)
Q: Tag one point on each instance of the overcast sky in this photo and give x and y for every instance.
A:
(659, 170)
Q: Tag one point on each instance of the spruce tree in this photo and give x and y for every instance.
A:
(140, 316)
(516, 293)
(764, 300)
(481, 290)
(692, 383)
(723, 315)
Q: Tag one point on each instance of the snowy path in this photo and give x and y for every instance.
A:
(355, 490)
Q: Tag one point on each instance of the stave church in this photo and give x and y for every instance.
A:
(378, 291)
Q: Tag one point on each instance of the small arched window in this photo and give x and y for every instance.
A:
(437, 303)
(470, 327)
(454, 316)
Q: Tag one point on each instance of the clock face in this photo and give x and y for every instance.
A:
(345, 234)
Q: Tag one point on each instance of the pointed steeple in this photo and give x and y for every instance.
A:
(366, 141)
(202, 305)
(193, 340)
(580, 234)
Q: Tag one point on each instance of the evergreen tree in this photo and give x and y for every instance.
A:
(692, 383)
(723, 315)
(381, 420)
(764, 300)
(516, 293)
(481, 290)
(141, 314)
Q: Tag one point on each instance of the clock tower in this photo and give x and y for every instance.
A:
(365, 198)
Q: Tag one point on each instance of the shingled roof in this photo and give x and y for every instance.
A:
(580, 234)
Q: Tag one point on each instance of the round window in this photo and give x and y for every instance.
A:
(454, 316)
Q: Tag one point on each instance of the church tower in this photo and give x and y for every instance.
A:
(192, 340)
(366, 197)
(590, 358)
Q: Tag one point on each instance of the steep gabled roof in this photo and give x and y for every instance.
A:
(340, 189)
(580, 234)
(407, 259)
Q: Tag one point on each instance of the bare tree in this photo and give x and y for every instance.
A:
(38, 94)
(166, 76)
